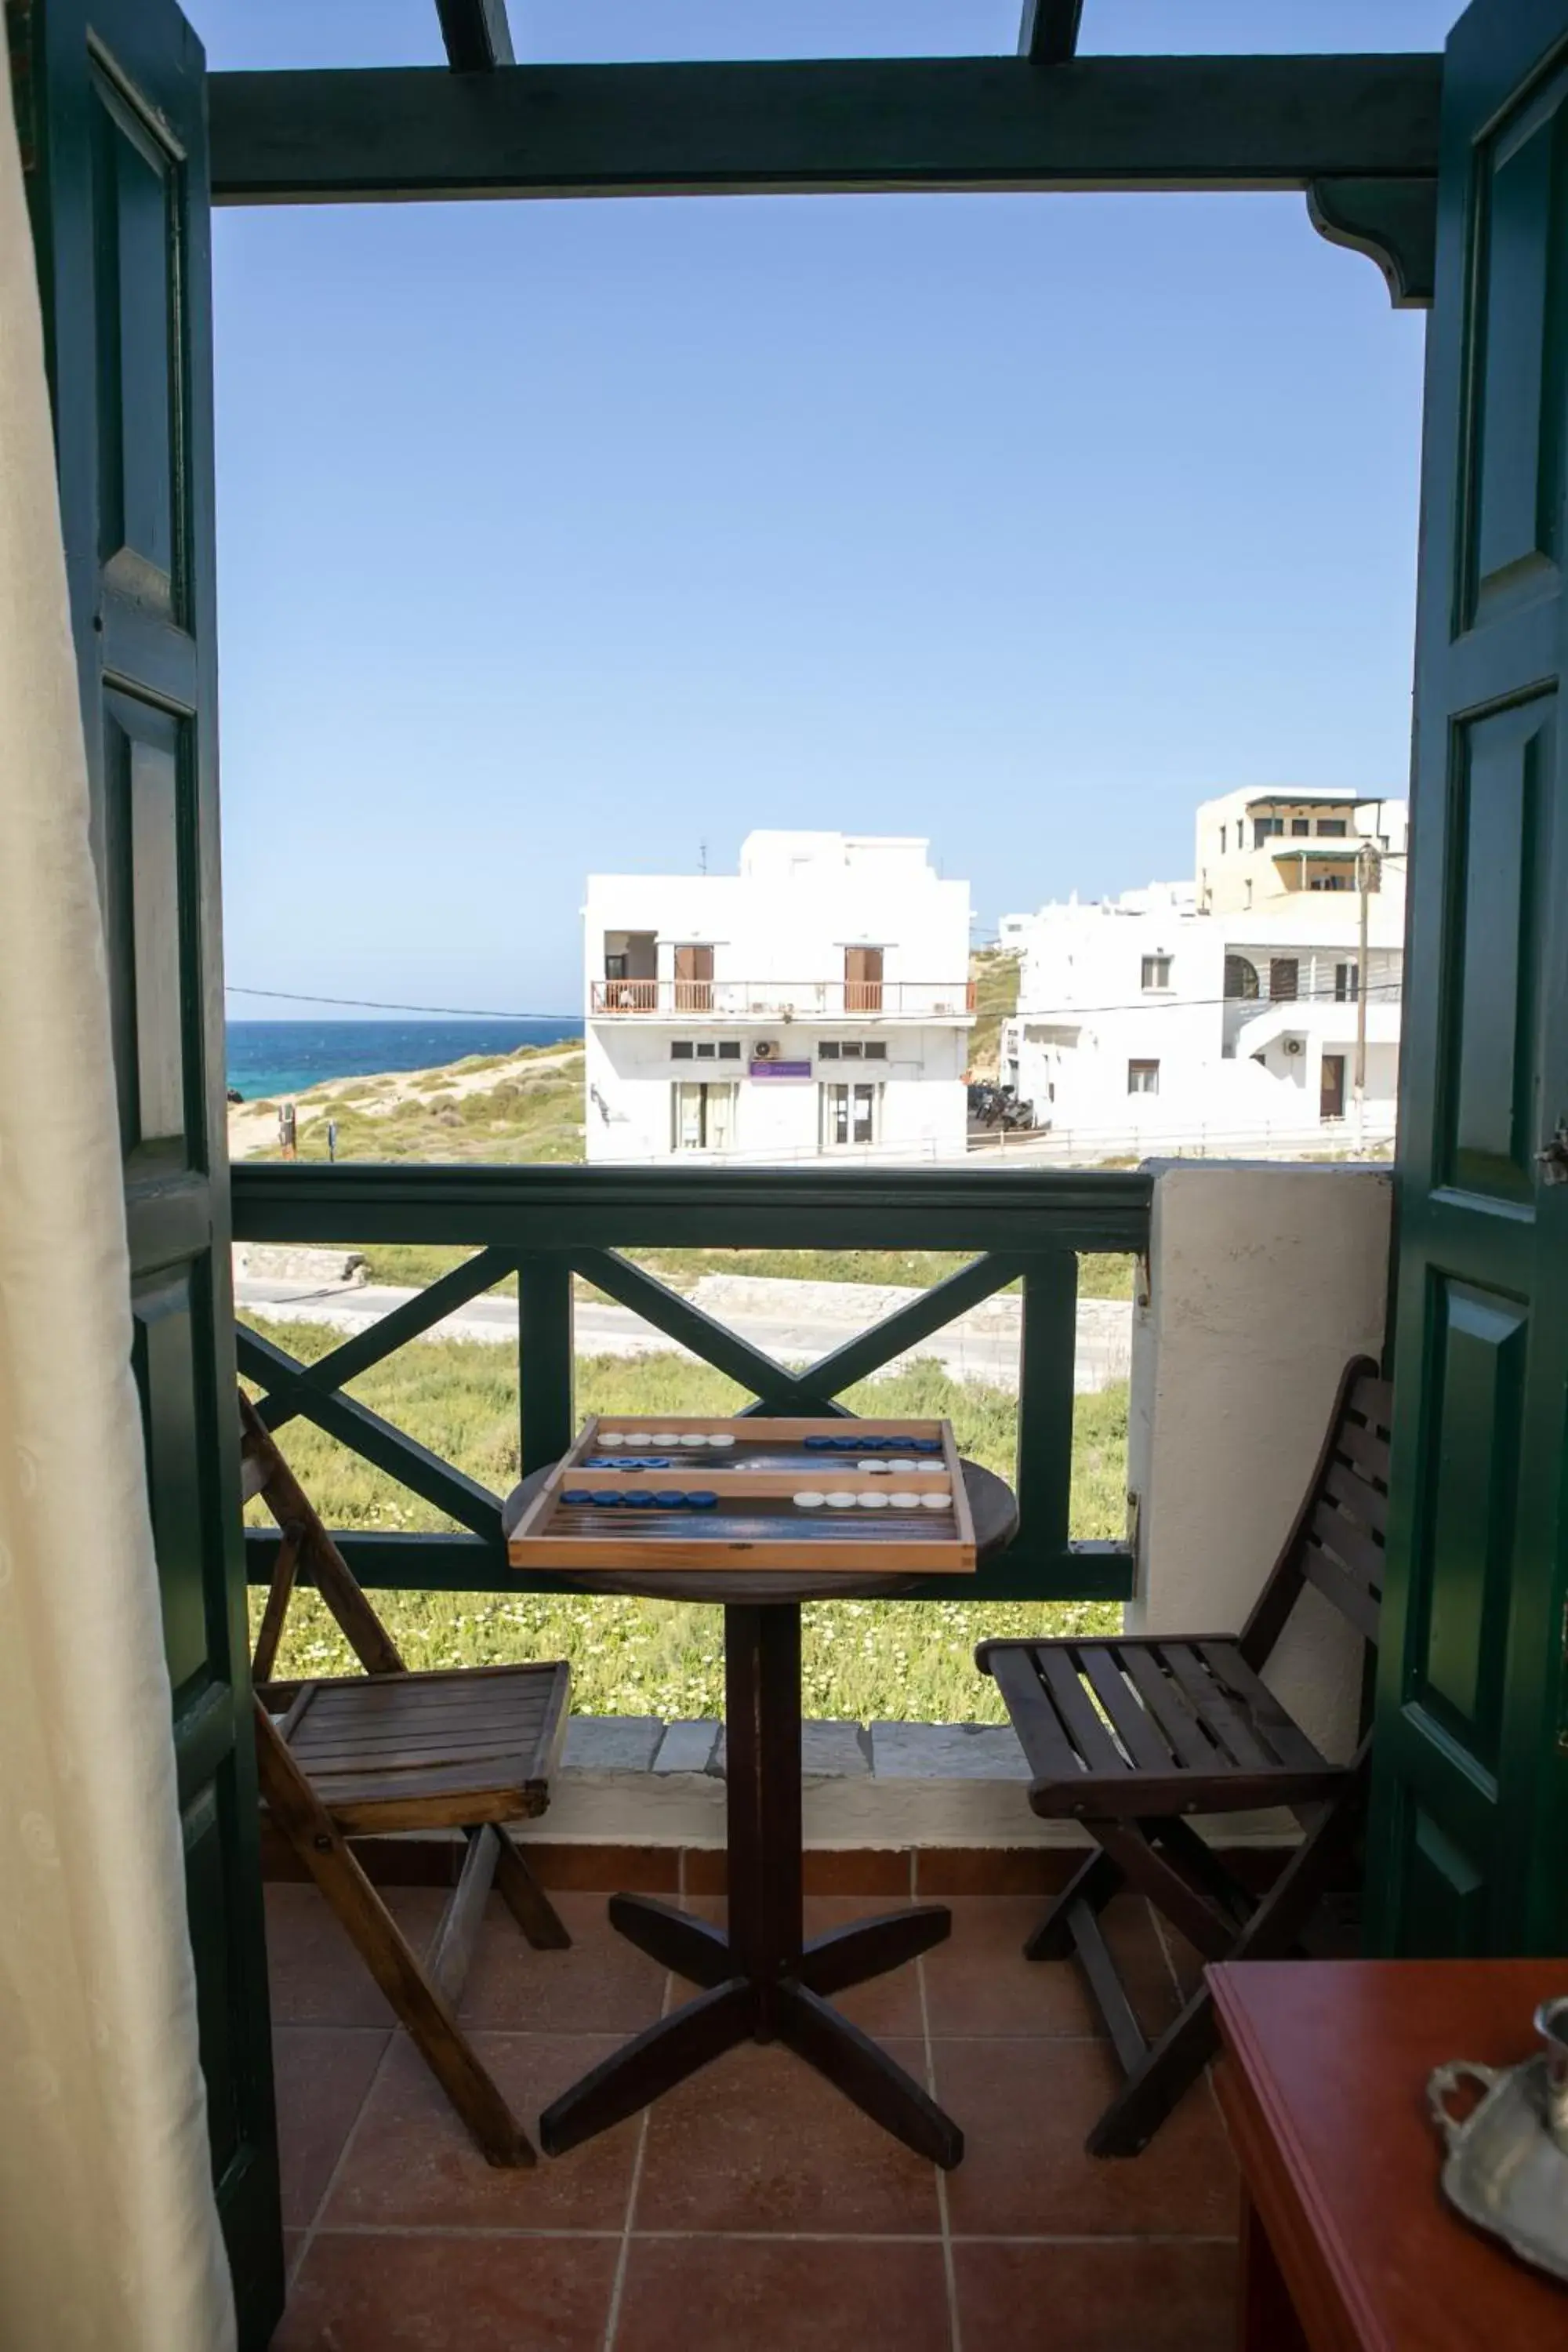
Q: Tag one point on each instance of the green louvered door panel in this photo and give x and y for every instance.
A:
(1470, 1770)
(112, 103)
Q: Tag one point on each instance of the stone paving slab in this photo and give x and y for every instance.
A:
(612, 1743)
(947, 1752)
(686, 1748)
(830, 1750)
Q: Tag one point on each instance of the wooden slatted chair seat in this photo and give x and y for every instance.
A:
(447, 1751)
(387, 1750)
(1131, 1736)
(1186, 1726)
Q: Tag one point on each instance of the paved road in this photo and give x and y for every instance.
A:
(1104, 1329)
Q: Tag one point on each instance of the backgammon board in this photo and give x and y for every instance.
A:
(656, 1492)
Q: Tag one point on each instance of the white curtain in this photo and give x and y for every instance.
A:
(109, 2234)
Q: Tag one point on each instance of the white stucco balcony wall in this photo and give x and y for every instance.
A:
(1264, 1281)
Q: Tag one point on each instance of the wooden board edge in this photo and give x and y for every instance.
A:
(540, 1508)
(738, 1485)
(759, 1425)
(960, 1508)
(940, 1556)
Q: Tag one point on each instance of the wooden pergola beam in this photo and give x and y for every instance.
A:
(1050, 30)
(477, 36)
(812, 126)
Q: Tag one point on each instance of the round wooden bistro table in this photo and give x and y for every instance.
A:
(760, 1980)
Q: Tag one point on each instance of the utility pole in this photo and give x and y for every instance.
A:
(1364, 868)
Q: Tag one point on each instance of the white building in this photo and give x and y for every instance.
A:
(1223, 1012)
(817, 1001)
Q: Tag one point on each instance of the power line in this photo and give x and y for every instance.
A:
(481, 1012)
(1064, 1013)
(378, 1005)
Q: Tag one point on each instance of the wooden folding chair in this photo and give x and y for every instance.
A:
(386, 1750)
(1129, 1737)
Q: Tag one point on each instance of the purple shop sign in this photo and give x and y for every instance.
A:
(780, 1070)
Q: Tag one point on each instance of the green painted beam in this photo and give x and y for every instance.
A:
(815, 126)
(665, 1310)
(388, 1333)
(1048, 33)
(981, 1209)
(546, 1361)
(374, 1439)
(476, 35)
(933, 1310)
(437, 1563)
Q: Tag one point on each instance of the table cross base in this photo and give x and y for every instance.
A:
(762, 1981)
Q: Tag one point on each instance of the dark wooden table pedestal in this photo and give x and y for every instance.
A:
(760, 1980)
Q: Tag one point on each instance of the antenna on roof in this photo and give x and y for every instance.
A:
(702, 857)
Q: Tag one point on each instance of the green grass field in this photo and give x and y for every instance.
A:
(862, 1659)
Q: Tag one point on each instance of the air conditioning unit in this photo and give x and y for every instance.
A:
(765, 1050)
(1293, 1045)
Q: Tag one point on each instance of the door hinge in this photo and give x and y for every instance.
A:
(1553, 1157)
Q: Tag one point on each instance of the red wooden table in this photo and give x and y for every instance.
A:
(1348, 2244)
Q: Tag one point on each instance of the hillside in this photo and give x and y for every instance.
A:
(995, 977)
(498, 1107)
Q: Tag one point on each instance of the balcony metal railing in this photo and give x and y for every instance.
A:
(765, 999)
(547, 1225)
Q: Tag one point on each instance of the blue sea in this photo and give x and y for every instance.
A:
(267, 1058)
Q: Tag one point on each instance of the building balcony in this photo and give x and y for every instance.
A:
(783, 999)
(790, 2207)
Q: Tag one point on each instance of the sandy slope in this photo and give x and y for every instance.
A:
(252, 1127)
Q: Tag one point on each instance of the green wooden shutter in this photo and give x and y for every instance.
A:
(112, 105)
(1470, 1773)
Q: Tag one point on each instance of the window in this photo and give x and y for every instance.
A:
(1334, 826)
(851, 1114)
(728, 1049)
(1284, 979)
(615, 967)
(876, 1049)
(705, 1049)
(828, 1050)
(1347, 983)
(1157, 971)
(1299, 826)
(1142, 1077)
(680, 1050)
(1240, 977)
(852, 1049)
(1328, 882)
(1266, 828)
(702, 1116)
(1223, 831)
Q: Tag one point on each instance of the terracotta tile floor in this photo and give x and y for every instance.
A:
(753, 2209)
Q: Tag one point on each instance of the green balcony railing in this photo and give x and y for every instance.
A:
(547, 1225)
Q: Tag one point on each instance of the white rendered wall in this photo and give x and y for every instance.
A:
(1263, 1283)
(779, 929)
(1084, 1015)
(630, 1072)
(798, 901)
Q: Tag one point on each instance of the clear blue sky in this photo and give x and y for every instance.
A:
(567, 536)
